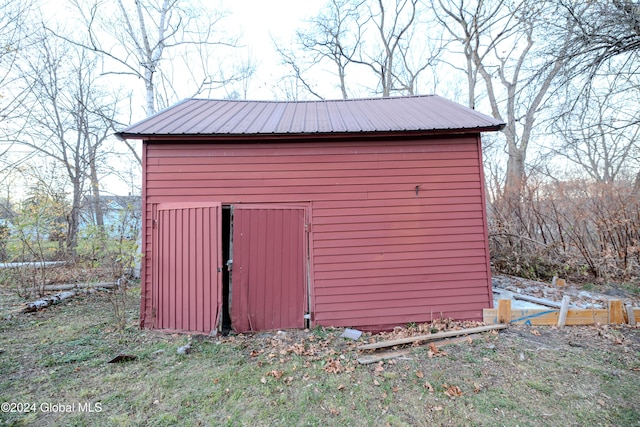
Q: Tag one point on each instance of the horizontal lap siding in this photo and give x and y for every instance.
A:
(381, 254)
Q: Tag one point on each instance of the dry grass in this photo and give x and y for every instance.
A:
(521, 376)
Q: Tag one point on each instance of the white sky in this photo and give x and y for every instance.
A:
(260, 21)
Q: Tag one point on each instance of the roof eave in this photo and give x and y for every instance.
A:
(306, 135)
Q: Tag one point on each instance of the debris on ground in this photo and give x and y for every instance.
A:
(352, 334)
(547, 291)
(435, 340)
(47, 301)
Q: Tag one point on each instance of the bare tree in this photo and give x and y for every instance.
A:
(385, 43)
(518, 51)
(394, 23)
(477, 28)
(15, 37)
(598, 133)
(160, 43)
(606, 31)
(334, 37)
(606, 47)
(69, 117)
(140, 36)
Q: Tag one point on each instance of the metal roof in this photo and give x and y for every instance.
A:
(209, 117)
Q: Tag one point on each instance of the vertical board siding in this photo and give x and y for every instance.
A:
(381, 252)
(268, 268)
(186, 284)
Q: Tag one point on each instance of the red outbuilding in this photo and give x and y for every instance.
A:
(366, 213)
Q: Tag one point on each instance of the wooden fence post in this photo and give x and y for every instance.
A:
(616, 315)
(504, 311)
(631, 317)
(564, 309)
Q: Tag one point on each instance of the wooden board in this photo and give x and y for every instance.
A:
(383, 355)
(392, 354)
(430, 337)
(549, 317)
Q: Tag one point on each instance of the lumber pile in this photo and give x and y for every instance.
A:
(615, 314)
(437, 339)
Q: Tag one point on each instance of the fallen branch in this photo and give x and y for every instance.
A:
(66, 287)
(430, 337)
(34, 264)
(47, 301)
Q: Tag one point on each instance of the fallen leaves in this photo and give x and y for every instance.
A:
(277, 374)
(333, 366)
(435, 351)
(452, 390)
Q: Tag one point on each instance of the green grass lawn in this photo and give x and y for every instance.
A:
(57, 359)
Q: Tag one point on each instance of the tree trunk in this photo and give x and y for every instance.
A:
(515, 172)
(95, 190)
(73, 220)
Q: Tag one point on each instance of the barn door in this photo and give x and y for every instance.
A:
(187, 291)
(268, 276)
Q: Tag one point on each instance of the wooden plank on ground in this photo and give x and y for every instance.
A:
(490, 316)
(587, 316)
(535, 300)
(543, 317)
(392, 354)
(564, 309)
(430, 337)
(382, 355)
(616, 316)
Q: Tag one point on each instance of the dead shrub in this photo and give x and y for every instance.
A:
(571, 228)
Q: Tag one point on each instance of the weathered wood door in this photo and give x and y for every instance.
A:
(187, 278)
(268, 276)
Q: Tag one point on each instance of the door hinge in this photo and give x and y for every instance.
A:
(307, 316)
(307, 228)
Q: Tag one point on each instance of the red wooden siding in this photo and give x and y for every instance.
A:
(381, 253)
(268, 283)
(186, 284)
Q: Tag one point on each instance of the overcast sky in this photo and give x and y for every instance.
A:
(259, 22)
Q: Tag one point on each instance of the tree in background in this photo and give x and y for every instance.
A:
(597, 133)
(148, 39)
(381, 44)
(517, 51)
(605, 55)
(14, 40)
(68, 117)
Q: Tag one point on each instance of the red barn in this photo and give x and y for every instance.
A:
(367, 213)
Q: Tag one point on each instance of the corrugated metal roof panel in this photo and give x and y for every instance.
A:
(225, 117)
